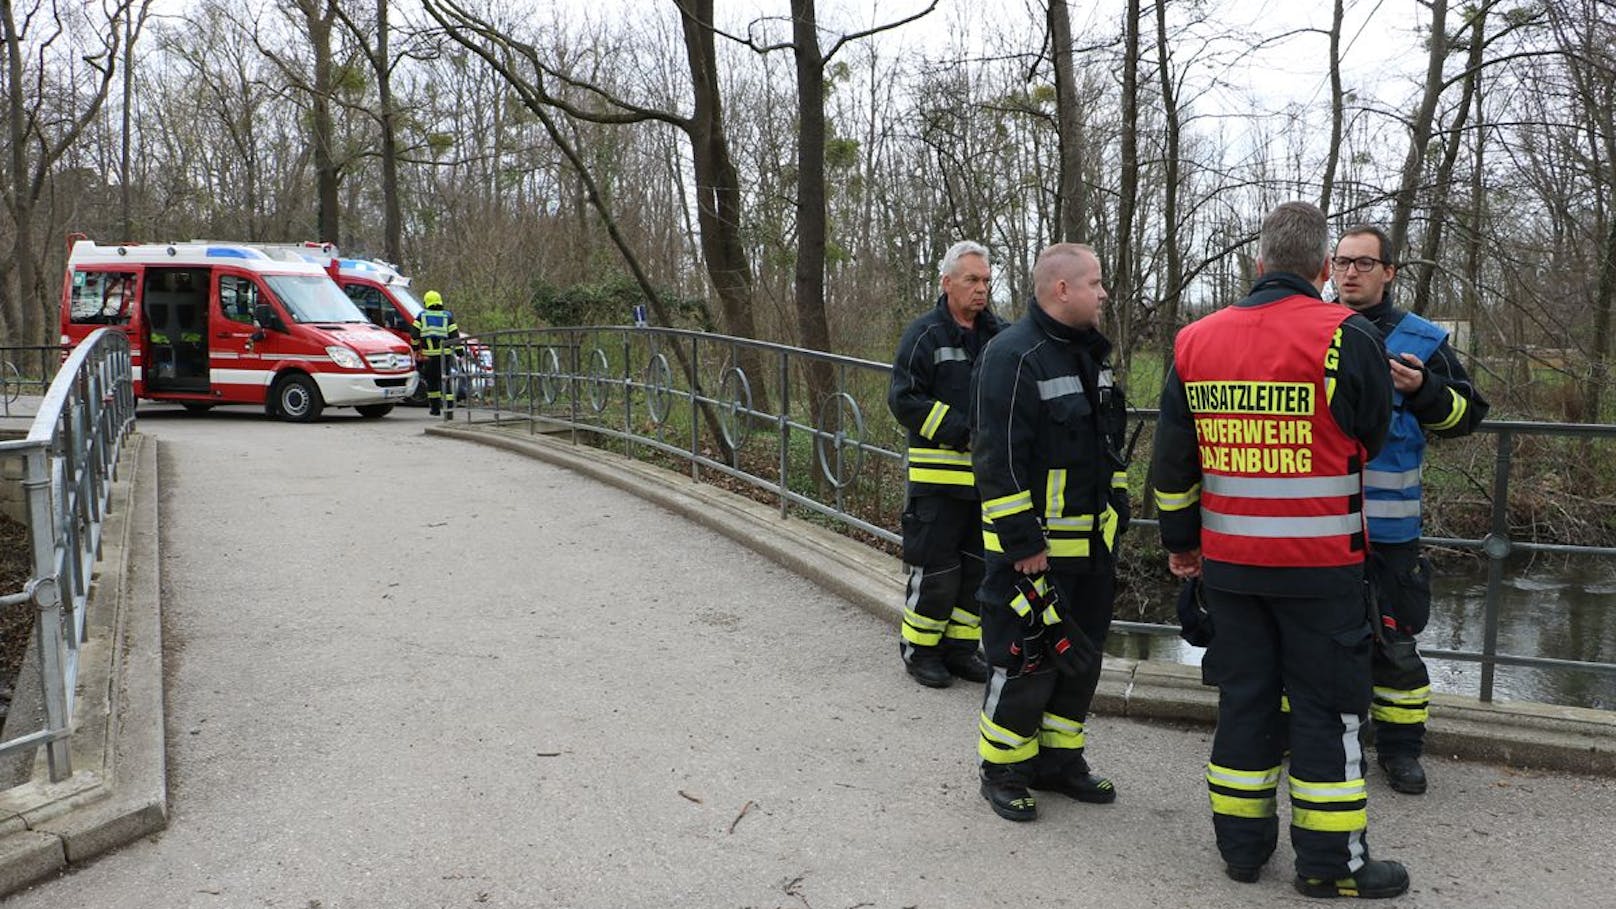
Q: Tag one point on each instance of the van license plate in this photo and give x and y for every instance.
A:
(392, 392)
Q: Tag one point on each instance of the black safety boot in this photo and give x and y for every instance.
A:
(1074, 779)
(1243, 873)
(435, 410)
(966, 663)
(1376, 880)
(1005, 788)
(1404, 773)
(926, 665)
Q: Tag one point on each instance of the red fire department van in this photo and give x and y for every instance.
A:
(384, 295)
(233, 323)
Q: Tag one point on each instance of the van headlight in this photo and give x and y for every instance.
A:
(344, 357)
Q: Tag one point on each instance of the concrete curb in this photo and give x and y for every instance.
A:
(118, 791)
(1520, 733)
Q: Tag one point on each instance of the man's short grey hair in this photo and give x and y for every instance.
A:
(956, 252)
(1295, 238)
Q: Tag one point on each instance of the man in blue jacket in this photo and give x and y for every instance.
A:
(1431, 394)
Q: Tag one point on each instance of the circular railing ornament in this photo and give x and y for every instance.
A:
(551, 382)
(658, 388)
(735, 418)
(600, 376)
(830, 445)
(516, 378)
(10, 382)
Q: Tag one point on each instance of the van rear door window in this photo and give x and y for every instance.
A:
(102, 297)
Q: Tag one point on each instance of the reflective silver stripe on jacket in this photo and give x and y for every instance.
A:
(1247, 525)
(1280, 487)
(946, 354)
(1394, 508)
(1059, 386)
(1388, 479)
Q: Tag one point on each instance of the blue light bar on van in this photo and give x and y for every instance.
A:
(356, 265)
(231, 252)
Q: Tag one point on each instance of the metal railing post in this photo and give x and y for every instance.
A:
(695, 410)
(573, 382)
(785, 428)
(628, 393)
(46, 594)
(1497, 546)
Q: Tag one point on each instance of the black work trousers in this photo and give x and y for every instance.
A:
(942, 549)
(1316, 650)
(1036, 721)
(1402, 684)
(432, 373)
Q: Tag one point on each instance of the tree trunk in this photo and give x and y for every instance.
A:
(1414, 162)
(718, 192)
(1172, 281)
(16, 311)
(813, 328)
(1472, 283)
(1072, 200)
(392, 215)
(124, 201)
(322, 124)
(1332, 157)
(1122, 283)
(1432, 247)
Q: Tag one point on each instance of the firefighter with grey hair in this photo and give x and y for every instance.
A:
(1271, 410)
(942, 538)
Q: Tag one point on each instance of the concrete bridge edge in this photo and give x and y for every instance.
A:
(1519, 734)
(118, 791)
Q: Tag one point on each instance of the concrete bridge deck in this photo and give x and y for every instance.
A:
(403, 670)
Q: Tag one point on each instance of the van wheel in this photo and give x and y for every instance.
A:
(374, 410)
(197, 407)
(297, 400)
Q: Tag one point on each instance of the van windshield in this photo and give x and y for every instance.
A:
(314, 298)
(407, 297)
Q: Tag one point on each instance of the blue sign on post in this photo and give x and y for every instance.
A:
(639, 315)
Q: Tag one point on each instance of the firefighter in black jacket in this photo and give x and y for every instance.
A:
(1271, 409)
(1432, 395)
(942, 529)
(1048, 425)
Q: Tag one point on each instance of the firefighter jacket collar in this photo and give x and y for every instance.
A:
(1384, 315)
(1277, 286)
(985, 326)
(1098, 347)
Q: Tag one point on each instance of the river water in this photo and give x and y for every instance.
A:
(1548, 607)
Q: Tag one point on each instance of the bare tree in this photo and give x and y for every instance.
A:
(39, 136)
(1072, 198)
(1420, 130)
(1332, 156)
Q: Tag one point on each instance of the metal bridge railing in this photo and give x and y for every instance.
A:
(25, 370)
(812, 431)
(67, 467)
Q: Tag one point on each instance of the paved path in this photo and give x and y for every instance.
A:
(531, 690)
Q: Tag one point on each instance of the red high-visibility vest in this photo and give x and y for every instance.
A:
(1282, 483)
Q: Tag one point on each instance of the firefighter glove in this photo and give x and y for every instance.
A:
(1194, 622)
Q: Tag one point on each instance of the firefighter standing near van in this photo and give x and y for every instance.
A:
(1432, 393)
(1270, 411)
(1049, 424)
(942, 521)
(429, 337)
